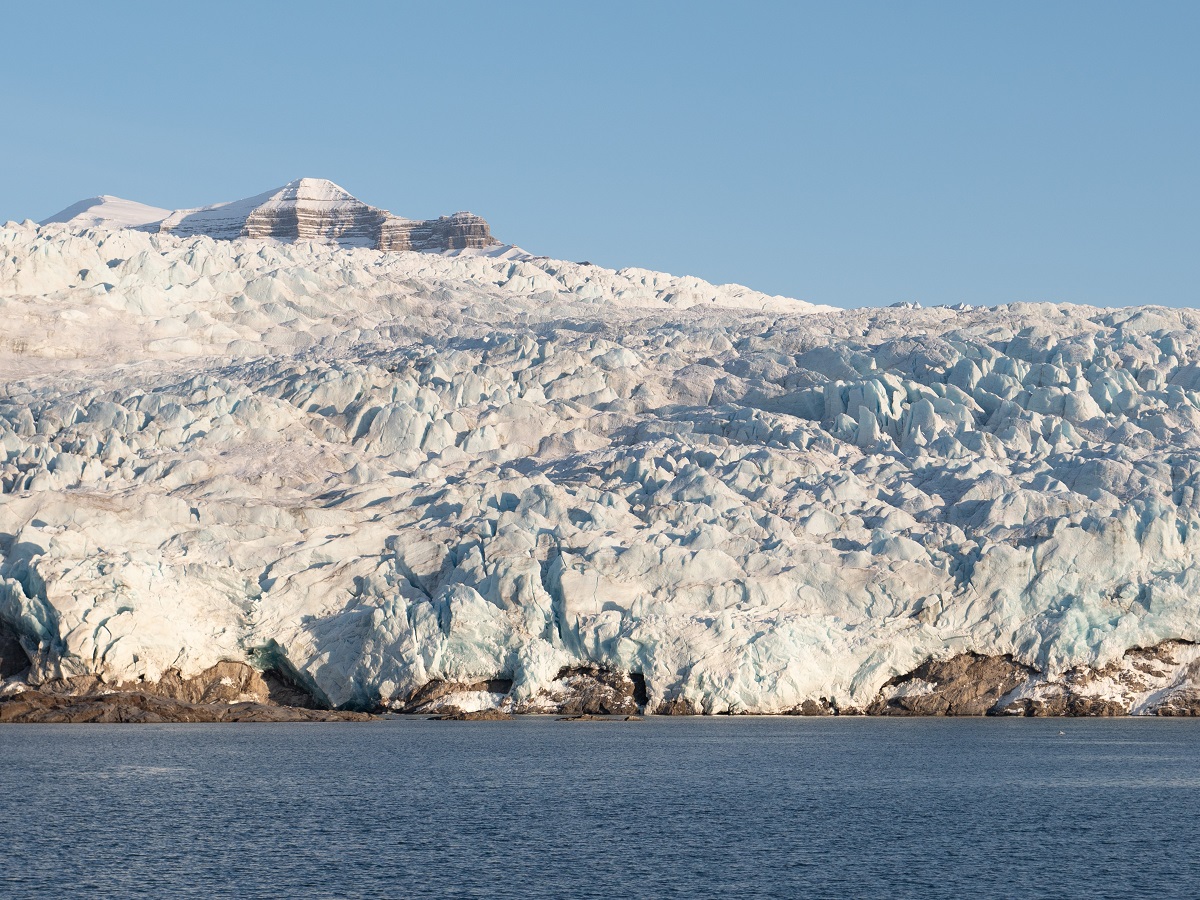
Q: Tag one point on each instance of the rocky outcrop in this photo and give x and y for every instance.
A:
(461, 231)
(1162, 680)
(475, 715)
(445, 696)
(964, 685)
(678, 706)
(1159, 680)
(819, 707)
(589, 690)
(1185, 703)
(577, 690)
(228, 691)
(1063, 704)
(590, 717)
(29, 707)
(228, 681)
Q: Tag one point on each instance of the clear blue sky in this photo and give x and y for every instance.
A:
(844, 153)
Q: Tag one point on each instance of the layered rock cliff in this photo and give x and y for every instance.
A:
(461, 231)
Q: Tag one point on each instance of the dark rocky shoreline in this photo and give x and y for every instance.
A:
(29, 707)
(967, 684)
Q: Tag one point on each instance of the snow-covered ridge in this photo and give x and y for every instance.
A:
(107, 211)
(307, 209)
(485, 478)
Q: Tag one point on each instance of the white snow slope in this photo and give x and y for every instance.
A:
(107, 211)
(383, 469)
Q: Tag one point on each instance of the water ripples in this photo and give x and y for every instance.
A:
(544, 809)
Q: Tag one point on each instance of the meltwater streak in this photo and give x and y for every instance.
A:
(538, 808)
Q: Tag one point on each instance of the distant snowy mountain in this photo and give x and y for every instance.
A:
(307, 209)
(107, 211)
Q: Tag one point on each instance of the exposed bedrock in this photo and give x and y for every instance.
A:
(588, 690)
(30, 707)
(477, 715)
(678, 706)
(354, 225)
(1155, 681)
(228, 691)
(227, 681)
(461, 231)
(224, 682)
(964, 685)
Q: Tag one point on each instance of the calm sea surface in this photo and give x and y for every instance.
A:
(740, 807)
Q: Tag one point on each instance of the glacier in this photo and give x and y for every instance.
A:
(402, 480)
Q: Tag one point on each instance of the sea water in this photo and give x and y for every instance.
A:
(665, 807)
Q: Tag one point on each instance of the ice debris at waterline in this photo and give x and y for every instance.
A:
(416, 482)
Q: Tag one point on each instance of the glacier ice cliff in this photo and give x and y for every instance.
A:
(409, 481)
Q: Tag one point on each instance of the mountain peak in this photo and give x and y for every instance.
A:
(107, 211)
(305, 209)
(319, 190)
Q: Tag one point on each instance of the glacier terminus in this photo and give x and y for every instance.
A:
(299, 450)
